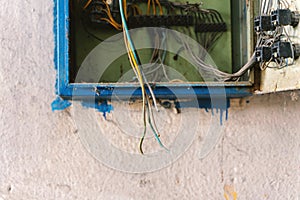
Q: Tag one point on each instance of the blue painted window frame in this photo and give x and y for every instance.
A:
(64, 88)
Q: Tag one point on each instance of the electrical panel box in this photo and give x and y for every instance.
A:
(202, 48)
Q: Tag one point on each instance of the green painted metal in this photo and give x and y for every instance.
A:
(81, 43)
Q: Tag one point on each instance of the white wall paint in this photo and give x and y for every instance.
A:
(42, 157)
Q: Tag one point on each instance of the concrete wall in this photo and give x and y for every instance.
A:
(42, 156)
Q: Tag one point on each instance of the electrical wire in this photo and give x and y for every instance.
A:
(134, 54)
(136, 65)
(160, 7)
(87, 4)
(138, 10)
(110, 17)
(158, 57)
(148, 7)
(212, 72)
(153, 7)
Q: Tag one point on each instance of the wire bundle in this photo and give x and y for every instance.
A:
(157, 59)
(101, 12)
(209, 71)
(209, 16)
(209, 24)
(267, 5)
(136, 66)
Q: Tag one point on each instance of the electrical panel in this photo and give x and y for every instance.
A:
(173, 54)
(209, 23)
(242, 46)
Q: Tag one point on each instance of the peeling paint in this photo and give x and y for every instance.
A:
(60, 104)
(102, 107)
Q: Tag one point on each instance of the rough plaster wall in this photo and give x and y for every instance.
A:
(42, 157)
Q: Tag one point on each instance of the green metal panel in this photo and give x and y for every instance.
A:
(82, 43)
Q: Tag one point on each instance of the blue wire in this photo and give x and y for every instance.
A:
(129, 38)
(126, 32)
(135, 56)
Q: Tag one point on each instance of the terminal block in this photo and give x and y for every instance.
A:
(160, 20)
(282, 50)
(210, 27)
(284, 17)
(263, 53)
(263, 23)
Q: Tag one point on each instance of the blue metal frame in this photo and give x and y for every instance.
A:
(64, 88)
